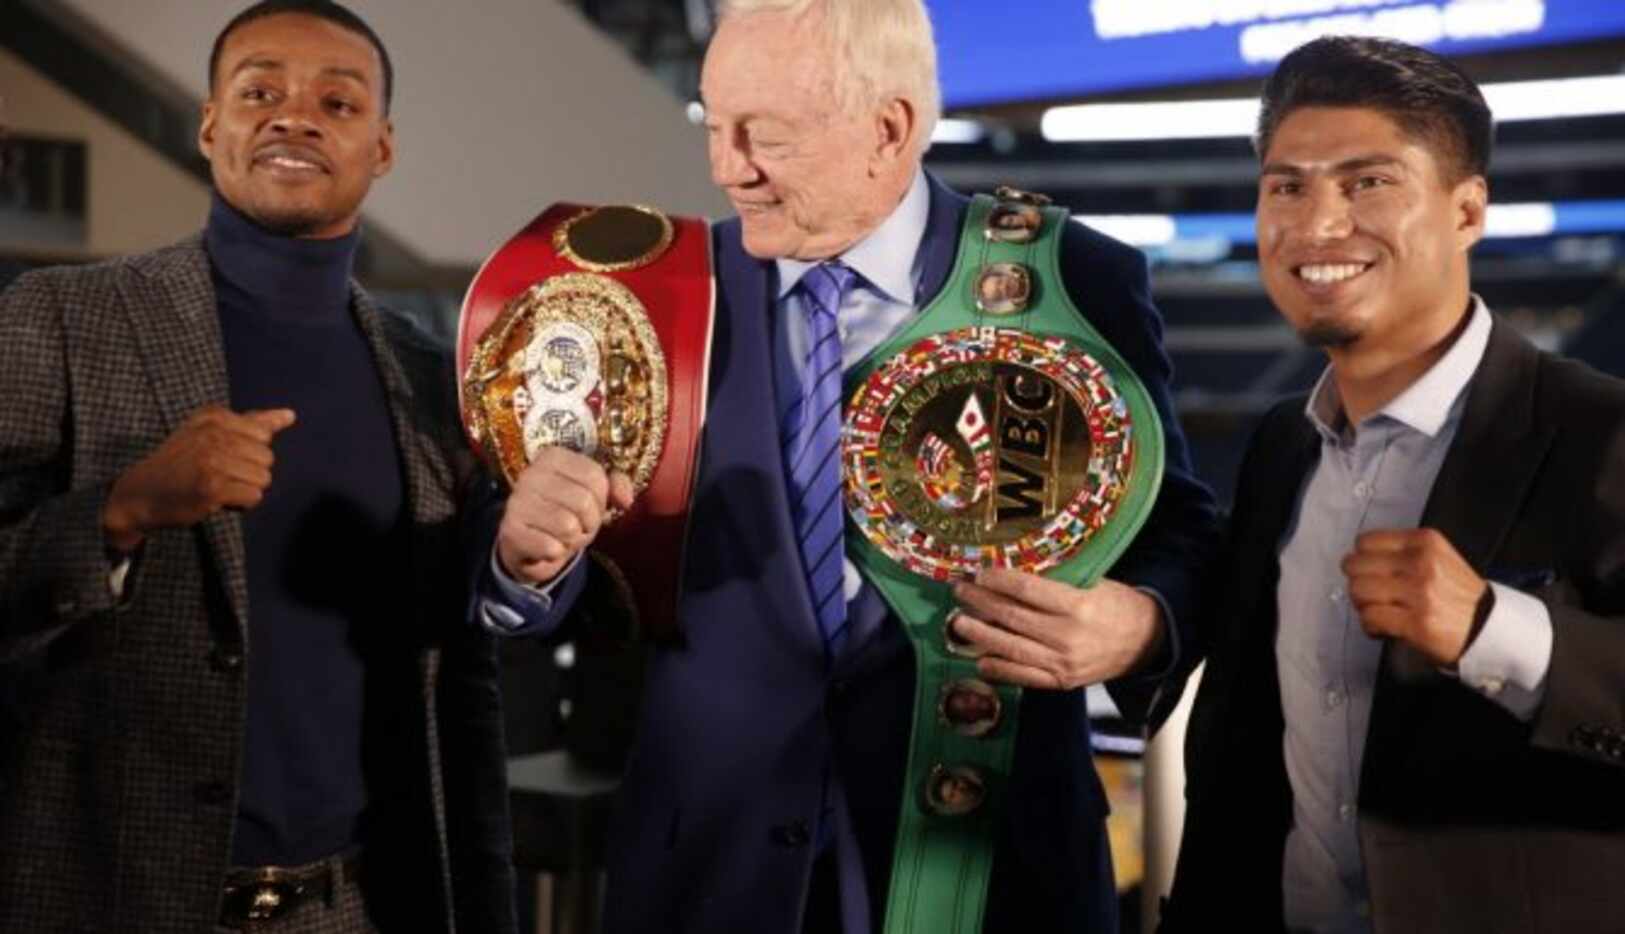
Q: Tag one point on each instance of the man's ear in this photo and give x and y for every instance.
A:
(386, 150)
(205, 131)
(896, 125)
(1470, 200)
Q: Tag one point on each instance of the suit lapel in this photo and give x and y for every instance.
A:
(1254, 646)
(940, 244)
(742, 435)
(1496, 454)
(1497, 450)
(1299, 448)
(423, 474)
(398, 394)
(417, 470)
(175, 318)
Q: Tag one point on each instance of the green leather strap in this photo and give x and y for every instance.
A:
(941, 864)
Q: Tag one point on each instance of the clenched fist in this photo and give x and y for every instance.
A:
(556, 509)
(1412, 585)
(217, 459)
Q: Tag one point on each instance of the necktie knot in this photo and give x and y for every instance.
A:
(826, 285)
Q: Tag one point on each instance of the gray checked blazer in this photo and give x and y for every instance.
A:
(121, 725)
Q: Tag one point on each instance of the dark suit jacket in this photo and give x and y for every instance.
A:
(120, 756)
(713, 829)
(1470, 821)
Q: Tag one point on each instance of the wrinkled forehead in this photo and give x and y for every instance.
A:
(769, 62)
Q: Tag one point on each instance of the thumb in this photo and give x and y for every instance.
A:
(274, 419)
(620, 490)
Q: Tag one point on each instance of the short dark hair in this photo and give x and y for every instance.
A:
(321, 9)
(1427, 95)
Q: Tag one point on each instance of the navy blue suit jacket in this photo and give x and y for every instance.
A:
(716, 824)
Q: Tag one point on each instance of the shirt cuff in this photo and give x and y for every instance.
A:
(519, 601)
(1512, 655)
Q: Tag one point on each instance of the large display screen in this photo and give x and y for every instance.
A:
(998, 51)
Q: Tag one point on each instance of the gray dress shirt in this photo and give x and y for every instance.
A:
(1374, 475)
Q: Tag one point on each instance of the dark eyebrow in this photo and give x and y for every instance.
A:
(271, 64)
(351, 73)
(1373, 161)
(256, 64)
(1355, 164)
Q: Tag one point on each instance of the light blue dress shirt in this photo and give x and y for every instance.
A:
(1374, 475)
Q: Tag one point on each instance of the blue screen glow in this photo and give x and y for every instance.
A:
(996, 51)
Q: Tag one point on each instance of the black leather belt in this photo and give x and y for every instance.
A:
(258, 894)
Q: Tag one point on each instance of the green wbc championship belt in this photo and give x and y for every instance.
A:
(1000, 429)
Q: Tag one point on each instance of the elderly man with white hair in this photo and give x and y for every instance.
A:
(763, 792)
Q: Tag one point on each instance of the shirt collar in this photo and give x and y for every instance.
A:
(1426, 404)
(887, 257)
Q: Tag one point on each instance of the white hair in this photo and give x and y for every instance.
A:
(884, 49)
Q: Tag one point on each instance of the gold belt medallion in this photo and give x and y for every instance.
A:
(985, 446)
(614, 238)
(571, 361)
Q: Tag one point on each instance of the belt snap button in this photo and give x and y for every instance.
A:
(793, 834)
(225, 660)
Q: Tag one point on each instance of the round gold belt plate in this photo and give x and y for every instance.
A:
(572, 361)
(614, 238)
(985, 447)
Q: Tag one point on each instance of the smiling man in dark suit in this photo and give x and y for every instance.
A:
(764, 788)
(1410, 719)
(240, 533)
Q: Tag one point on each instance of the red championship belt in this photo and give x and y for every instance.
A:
(591, 329)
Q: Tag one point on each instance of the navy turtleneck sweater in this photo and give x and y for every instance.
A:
(325, 548)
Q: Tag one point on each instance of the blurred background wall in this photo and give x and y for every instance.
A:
(1134, 114)
(106, 191)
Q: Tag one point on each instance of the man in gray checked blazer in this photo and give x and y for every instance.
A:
(240, 540)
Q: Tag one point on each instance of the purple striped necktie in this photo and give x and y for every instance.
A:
(812, 432)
